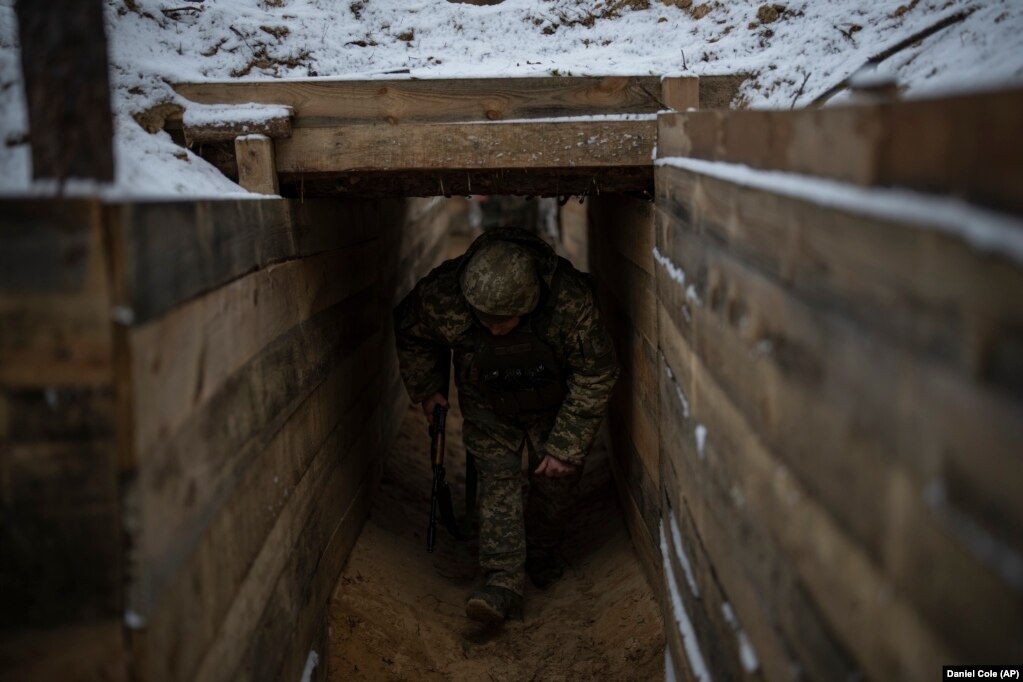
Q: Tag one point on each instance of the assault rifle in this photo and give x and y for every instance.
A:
(440, 492)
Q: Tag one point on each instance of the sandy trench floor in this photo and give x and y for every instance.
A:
(398, 612)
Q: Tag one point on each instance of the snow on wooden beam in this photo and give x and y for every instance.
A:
(427, 128)
(223, 123)
(421, 101)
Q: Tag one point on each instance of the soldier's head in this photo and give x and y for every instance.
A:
(501, 285)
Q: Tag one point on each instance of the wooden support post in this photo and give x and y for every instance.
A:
(681, 92)
(257, 167)
(64, 60)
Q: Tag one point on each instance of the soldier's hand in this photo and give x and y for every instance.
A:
(554, 467)
(430, 403)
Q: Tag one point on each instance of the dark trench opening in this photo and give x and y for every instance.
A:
(398, 612)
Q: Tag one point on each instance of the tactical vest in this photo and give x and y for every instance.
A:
(519, 374)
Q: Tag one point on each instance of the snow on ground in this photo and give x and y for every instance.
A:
(794, 50)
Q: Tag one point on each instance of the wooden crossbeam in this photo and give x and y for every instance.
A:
(572, 143)
(577, 128)
(422, 101)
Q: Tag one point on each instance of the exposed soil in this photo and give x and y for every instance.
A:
(398, 612)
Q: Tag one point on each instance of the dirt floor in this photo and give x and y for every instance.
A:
(398, 613)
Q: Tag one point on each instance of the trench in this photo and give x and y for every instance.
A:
(814, 439)
(398, 612)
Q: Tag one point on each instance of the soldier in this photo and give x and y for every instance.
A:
(534, 367)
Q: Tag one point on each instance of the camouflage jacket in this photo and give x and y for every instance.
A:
(435, 316)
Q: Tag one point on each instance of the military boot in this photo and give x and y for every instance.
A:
(544, 567)
(493, 605)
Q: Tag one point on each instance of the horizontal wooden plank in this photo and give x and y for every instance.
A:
(786, 629)
(525, 144)
(190, 612)
(184, 479)
(884, 632)
(54, 295)
(963, 145)
(465, 99)
(49, 247)
(60, 505)
(167, 253)
(48, 341)
(179, 360)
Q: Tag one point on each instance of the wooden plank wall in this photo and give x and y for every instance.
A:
(248, 386)
(60, 549)
(621, 259)
(841, 422)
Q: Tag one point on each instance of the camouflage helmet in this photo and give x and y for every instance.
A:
(500, 280)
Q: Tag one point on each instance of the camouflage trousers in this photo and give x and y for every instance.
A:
(507, 524)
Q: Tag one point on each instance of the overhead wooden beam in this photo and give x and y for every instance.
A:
(536, 136)
(526, 144)
(467, 99)
(537, 182)
(64, 61)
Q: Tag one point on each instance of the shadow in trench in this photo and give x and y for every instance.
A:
(398, 612)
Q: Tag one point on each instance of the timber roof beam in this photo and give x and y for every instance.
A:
(538, 136)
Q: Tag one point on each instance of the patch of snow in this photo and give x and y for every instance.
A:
(678, 391)
(871, 77)
(683, 558)
(693, 296)
(700, 432)
(311, 661)
(763, 347)
(685, 626)
(134, 620)
(981, 53)
(747, 655)
(122, 315)
(983, 229)
(674, 271)
(213, 114)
